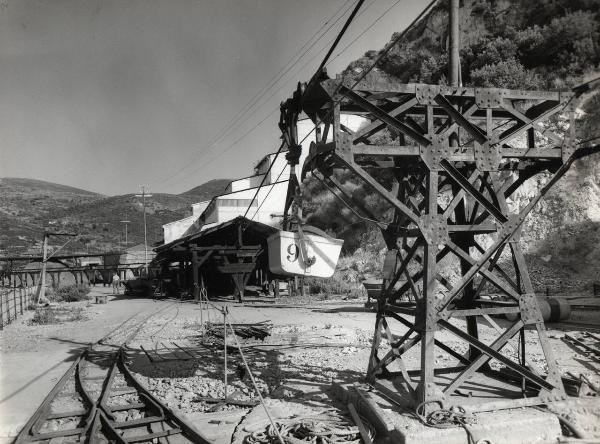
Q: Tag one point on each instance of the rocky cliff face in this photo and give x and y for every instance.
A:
(520, 44)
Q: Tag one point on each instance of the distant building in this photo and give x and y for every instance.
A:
(239, 196)
(136, 255)
(239, 199)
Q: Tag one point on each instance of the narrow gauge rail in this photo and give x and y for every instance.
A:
(98, 400)
(575, 325)
(86, 406)
(586, 343)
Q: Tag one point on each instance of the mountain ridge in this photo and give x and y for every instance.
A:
(28, 207)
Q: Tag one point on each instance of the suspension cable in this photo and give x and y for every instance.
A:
(340, 35)
(264, 178)
(364, 74)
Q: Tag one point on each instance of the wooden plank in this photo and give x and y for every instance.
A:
(236, 268)
(361, 427)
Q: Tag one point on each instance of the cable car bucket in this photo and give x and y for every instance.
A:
(309, 252)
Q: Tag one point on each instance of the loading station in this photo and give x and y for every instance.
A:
(219, 259)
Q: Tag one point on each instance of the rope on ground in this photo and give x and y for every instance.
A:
(444, 418)
(301, 431)
(262, 401)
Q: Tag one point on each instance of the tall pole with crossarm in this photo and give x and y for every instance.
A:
(144, 195)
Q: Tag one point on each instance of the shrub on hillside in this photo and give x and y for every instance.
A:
(505, 74)
(56, 315)
(70, 293)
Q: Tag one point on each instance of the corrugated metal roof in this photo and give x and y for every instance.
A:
(223, 234)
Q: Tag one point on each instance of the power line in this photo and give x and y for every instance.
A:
(319, 69)
(223, 132)
(281, 72)
(269, 192)
(264, 101)
(340, 34)
(363, 33)
(393, 42)
(265, 177)
(381, 55)
(332, 48)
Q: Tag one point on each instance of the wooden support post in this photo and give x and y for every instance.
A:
(276, 288)
(196, 283)
(225, 349)
(42, 287)
(15, 300)
(239, 280)
(180, 277)
(21, 298)
(201, 291)
(2, 311)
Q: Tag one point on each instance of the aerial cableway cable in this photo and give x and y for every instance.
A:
(323, 62)
(340, 34)
(244, 119)
(279, 75)
(379, 58)
(303, 50)
(263, 180)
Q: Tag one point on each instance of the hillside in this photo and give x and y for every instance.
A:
(29, 206)
(25, 206)
(518, 44)
(207, 190)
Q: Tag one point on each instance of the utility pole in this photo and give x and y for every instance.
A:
(41, 291)
(126, 222)
(144, 195)
(454, 44)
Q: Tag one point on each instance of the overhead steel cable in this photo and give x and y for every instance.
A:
(365, 31)
(383, 53)
(281, 72)
(340, 34)
(168, 179)
(269, 192)
(223, 132)
(265, 100)
(393, 43)
(265, 177)
(323, 62)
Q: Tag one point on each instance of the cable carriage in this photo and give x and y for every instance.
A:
(307, 251)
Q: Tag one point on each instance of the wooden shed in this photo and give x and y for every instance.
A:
(221, 258)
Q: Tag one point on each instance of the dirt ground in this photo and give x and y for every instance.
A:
(310, 347)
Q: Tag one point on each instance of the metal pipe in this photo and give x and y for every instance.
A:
(454, 44)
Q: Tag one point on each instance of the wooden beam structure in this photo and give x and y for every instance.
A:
(234, 250)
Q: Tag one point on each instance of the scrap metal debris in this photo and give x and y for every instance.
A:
(258, 330)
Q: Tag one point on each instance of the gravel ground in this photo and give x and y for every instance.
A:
(309, 348)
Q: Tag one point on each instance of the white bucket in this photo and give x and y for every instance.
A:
(286, 257)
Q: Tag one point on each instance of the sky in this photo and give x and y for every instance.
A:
(108, 95)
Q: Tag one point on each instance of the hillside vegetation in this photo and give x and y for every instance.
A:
(517, 44)
(28, 207)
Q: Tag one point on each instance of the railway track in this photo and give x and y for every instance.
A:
(98, 400)
(583, 326)
(586, 343)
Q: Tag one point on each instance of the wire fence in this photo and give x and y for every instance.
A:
(13, 302)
